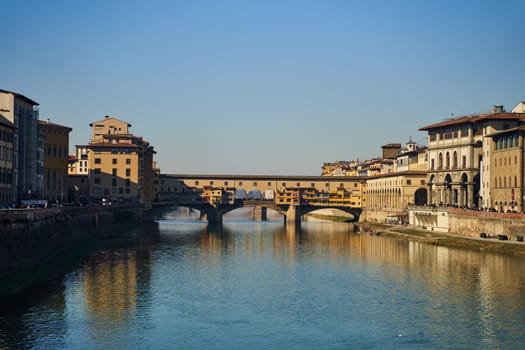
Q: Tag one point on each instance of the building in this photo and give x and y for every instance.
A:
(411, 157)
(56, 159)
(397, 190)
(7, 190)
(456, 154)
(121, 165)
(506, 169)
(78, 175)
(23, 113)
(390, 150)
(78, 163)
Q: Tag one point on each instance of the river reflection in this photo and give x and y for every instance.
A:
(266, 285)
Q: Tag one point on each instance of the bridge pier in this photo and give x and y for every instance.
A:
(211, 214)
(293, 216)
(260, 213)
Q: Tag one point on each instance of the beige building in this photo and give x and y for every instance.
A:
(457, 157)
(55, 149)
(121, 165)
(506, 169)
(78, 163)
(396, 191)
(7, 191)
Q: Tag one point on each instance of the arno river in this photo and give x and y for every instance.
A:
(252, 285)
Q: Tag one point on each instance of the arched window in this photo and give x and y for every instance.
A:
(455, 160)
(440, 161)
(504, 182)
(447, 157)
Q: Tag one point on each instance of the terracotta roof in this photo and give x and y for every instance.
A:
(476, 119)
(16, 94)
(391, 145)
(113, 145)
(399, 173)
(47, 122)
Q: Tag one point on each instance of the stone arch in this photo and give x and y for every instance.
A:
(475, 188)
(420, 196)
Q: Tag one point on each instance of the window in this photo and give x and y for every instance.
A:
(128, 183)
(225, 183)
(255, 183)
(127, 191)
(440, 161)
(114, 160)
(196, 183)
(455, 160)
(97, 171)
(240, 183)
(98, 160)
(464, 161)
(128, 172)
(114, 182)
(409, 182)
(114, 172)
(422, 182)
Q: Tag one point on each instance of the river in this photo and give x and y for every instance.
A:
(263, 285)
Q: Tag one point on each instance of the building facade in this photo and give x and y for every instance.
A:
(504, 185)
(7, 192)
(23, 113)
(456, 155)
(56, 158)
(121, 165)
(396, 191)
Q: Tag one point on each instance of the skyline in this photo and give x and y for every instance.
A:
(277, 88)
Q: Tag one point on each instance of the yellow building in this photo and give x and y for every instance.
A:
(7, 190)
(56, 157)
(396, 191)
(506, 169)
(121, 165)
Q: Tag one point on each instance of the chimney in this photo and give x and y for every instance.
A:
(498, 109)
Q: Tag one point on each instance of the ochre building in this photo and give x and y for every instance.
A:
(55, 149)
(121, 166)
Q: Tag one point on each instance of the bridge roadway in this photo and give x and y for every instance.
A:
(292, 213)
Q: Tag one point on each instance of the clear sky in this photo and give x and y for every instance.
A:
(263, 87)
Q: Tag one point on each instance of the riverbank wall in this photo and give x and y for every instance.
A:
(382, 216)
(31, 236)
(472, 223)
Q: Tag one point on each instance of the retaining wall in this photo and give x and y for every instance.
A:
(29, 236)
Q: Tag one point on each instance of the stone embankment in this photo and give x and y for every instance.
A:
(30, 236)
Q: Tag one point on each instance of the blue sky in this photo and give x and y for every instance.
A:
(263, 87)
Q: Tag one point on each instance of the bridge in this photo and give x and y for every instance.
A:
(291, 196)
